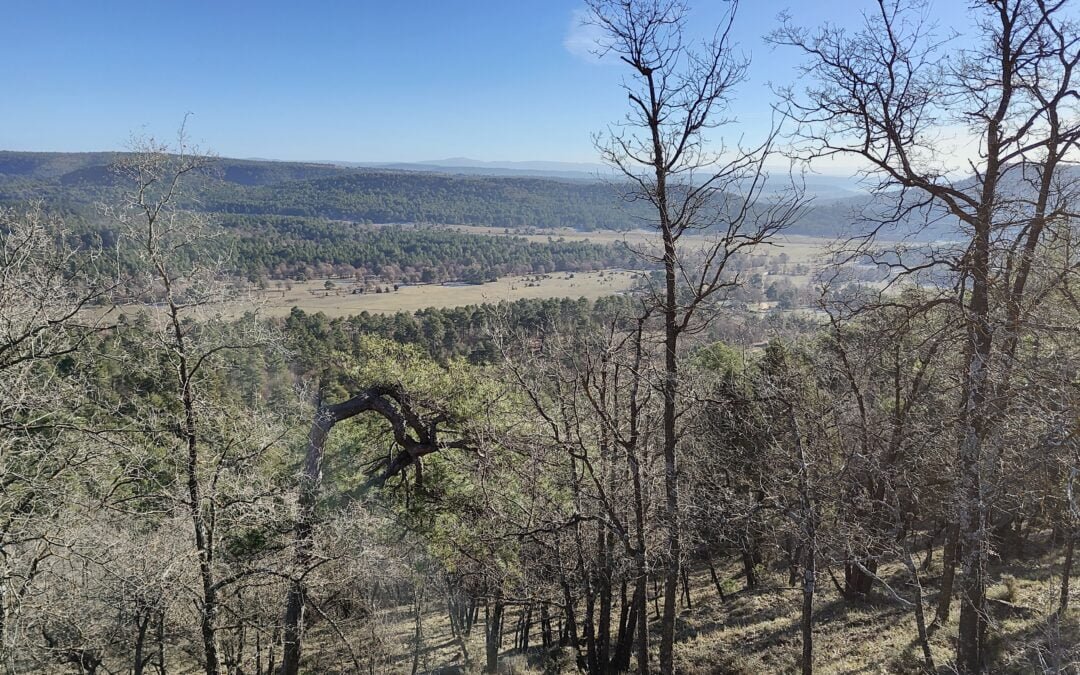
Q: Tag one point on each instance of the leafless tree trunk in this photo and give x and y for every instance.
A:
(216, 451)
(1072, 516)
(675, 95)
(1066, 573)
(808, 524)
(949, 558)
(418, 621)
(879, 95)
(920, 614)
(157, 177)
(493, 620)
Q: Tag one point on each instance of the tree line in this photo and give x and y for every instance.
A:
(267, 248)
(289, 247)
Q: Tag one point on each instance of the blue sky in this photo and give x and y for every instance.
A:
(354, 81)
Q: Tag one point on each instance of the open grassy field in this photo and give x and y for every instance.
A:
(798, 248)
(311, 296)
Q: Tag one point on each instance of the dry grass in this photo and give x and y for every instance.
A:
(311, 296)
(758, 631)
(752, 632)
(799, 248)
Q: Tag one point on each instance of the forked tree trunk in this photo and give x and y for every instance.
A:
(858, 578)
(751, 558)
(686, 588)
(545, 626)
(309, 485)
(142, 622)
(629, 633)
(621, 641)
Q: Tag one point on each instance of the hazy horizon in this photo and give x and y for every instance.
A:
(364, 82)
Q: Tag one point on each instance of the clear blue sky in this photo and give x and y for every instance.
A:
(347, 80)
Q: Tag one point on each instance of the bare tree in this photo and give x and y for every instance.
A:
(677, 93)
(886, 95)
(52, 298)
(216, 482)
(589, 391)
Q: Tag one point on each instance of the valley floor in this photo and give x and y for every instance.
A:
(312, 296)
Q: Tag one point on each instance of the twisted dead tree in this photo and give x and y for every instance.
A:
(415, 435)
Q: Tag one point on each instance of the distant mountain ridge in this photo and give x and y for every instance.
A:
(313, 189)
(818, 185)
(429, 193)
(582, 167)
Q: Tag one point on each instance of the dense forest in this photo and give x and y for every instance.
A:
(261, 248)
(657, 481)
(286, 247)
(326, 239)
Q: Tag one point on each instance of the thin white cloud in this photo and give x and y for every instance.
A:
(582, 38)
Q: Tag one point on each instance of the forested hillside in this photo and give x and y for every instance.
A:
(267, 246)
(321, 190)
(288, 220)
(704, 469)
(78, 181)
(291, 247)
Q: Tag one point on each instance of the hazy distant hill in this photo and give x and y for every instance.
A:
(466, 166)
(436, 194)
(325, 190)
(815, 185)
(579, 167)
